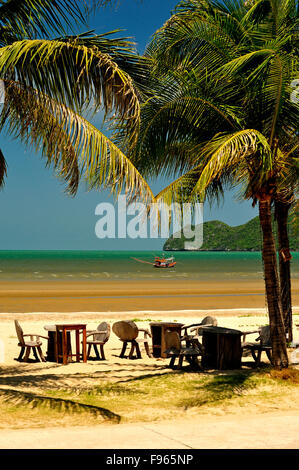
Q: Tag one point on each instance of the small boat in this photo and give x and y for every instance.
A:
(164, 262)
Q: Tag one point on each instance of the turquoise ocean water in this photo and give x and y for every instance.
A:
(110, 265)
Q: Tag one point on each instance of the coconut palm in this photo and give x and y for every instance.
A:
(50, 78)
(220, 112)
(283, 204)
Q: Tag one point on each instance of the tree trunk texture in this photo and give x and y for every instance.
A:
(277, 329)
(281, 215)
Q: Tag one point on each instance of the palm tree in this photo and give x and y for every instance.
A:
(220, 112)
(283, 204)
(49, 82)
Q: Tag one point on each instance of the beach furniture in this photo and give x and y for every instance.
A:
(98, 337)
(34, 343)
(197, 331)
(62, 352)
(127, 331)
(196, 328)
(158, 330)
(262, 343)
(222, 348)
(175, 349)
(55, 343)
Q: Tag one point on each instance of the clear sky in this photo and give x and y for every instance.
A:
(35, 213)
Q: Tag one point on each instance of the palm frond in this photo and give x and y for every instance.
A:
(73, 73)
(238, 64)
(3, 169)
(39, 17)
(196, 39)
(194, 111)
(226, 159)
(61, 405)
(26, 115)
(69, 142)
(246, 153)
(257, 11)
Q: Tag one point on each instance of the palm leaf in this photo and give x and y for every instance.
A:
(61, 405)
(69, 142)
(74, 74)
(39, 17)
(257, 11)
(225, 159)
(192, 111)
(27, 115)
(197, 39)
(231, 151)
(3, 169)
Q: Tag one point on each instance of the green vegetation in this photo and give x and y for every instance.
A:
(151, 398)
(218, 236)
(220, 117)
(49, 82)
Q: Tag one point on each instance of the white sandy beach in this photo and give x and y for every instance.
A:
(222, 428)
(243, 319)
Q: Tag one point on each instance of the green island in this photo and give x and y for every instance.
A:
(218, 236)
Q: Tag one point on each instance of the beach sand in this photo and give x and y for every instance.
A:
(244, 319)
(236, 304)
(239, 305)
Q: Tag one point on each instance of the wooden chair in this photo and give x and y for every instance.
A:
(98, 337)
(127, 332)
(262, 343)
(196, 328)
(174, 349)
(34, 344)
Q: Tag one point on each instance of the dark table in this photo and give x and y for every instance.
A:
(52, 338)
(222, 348)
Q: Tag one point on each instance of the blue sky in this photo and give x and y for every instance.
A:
(35, 211)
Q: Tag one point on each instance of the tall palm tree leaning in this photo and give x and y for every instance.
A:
(51, 78)
(221, 114)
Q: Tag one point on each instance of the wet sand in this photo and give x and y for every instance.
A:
(121, 296)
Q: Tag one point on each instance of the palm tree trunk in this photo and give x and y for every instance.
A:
(277, 330)
(281, 215)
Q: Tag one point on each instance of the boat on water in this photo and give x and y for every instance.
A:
(164, 262)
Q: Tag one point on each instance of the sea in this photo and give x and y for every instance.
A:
(126, 265)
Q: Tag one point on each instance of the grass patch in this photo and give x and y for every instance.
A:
(245, 315)
(157, 397)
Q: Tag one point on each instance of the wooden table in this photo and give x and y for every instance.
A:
(64, 353)
(59, 342)
(158, 335)
(52, 339)
(222, 348)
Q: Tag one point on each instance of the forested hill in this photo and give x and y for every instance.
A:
(218, 236)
